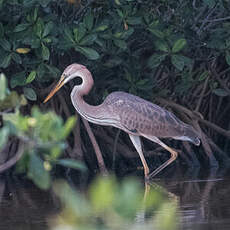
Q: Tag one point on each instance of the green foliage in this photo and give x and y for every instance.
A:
(112, 205)
(36, 35)
(42, 136)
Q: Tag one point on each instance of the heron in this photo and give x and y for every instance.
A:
(130, 113)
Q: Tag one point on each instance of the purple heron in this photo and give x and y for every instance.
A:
(130, 113)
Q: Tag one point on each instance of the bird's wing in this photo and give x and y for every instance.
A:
(142, 117)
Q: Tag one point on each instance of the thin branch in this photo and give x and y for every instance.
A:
(218, 19)
(14, 159)
(115, 147)
(202, 95)
(95, 146)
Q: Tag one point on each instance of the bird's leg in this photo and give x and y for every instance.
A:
(137, 144)
(173, 157)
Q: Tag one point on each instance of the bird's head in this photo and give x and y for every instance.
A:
(69, 73)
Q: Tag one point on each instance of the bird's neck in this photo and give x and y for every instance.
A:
(89, 112)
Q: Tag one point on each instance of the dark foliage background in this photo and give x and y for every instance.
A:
(173, 53)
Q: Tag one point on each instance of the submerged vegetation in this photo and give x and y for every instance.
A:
(174, 53)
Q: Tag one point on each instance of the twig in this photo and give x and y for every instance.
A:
(14, 159)
(223, 84)
(115, 147)
(95, 146)
(206, 19)
(220, 130)
(218, 19)
(202, 95)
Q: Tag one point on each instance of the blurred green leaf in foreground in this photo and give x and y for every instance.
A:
(41, 137)
(112, 205)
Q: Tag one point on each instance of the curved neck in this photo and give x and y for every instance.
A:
(87, 82)
(89, 112)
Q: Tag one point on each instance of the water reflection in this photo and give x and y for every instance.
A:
(23, 206)
(202, 198)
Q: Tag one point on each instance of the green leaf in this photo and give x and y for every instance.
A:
(81, 31)
(88, 21)
(31, 77)
(120, 43)
(71, 163)
(120, 13)
(161, 45)
(30, 94)
(117, 2)
(127, 33)
(178, 61)
(89, 39)
(101, 28)
(5, 44)
(53, 70)
(21, 27)
(39, 27)
(69, 126)
(45, 52)
(68, 34)
(88, 52)
(16, 57)
(179, 45)
(227, 57)
(102, 193)
(155, 60)
(220, 92)
(6, 61)
(37, 172)
(35, 14)
(18, 79)
(134, 20)
(3, 87)
(48, 28)
(157, 33)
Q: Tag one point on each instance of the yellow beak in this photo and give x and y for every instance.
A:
(55, 89)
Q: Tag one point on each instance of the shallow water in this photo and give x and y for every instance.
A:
(203, 199)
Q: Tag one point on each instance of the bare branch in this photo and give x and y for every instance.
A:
(95, 146)
(14, 159)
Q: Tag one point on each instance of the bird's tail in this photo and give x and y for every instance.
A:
(192, 135)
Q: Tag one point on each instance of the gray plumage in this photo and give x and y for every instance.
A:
(139, 116)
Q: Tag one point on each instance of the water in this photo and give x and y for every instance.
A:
(203, 199)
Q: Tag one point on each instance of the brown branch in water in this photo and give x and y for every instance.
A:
(8, 164)
(95, 146)
(205, 144)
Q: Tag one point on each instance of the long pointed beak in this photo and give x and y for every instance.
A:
(55, 89)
